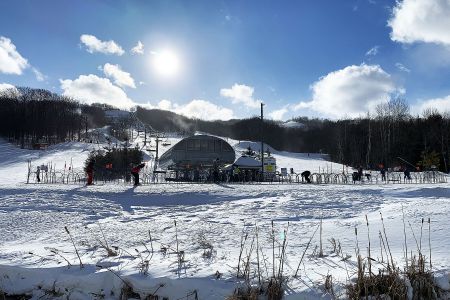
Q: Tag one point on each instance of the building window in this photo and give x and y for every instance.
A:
(204, 145)
(217, 146)
(211, 146)
(227, 148)
(197, 145)
(190, 145)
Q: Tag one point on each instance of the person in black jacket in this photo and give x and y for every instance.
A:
(407, 174)
(305, 176)
(38, 174)
(383, 174)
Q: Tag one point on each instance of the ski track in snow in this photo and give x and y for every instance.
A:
(33, 217)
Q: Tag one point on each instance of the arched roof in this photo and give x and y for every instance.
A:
(197, 151)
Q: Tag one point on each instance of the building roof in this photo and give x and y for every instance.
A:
(247, 162)
(197, 151)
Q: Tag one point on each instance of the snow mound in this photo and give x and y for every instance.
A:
(293, 124)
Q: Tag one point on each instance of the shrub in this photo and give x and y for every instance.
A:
(114, 162)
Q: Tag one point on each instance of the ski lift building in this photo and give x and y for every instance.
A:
(254, 163)
(198, 151)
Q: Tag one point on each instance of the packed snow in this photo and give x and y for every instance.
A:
(207, 222)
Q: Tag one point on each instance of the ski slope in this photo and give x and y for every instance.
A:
(35, 249)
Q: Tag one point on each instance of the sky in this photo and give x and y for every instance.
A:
(220, 59)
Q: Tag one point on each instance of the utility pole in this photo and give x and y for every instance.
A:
(156, 152)
(86, 123)
(145, 136)
(369, 142)
(262, 142)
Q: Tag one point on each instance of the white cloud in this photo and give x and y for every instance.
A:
(205, 110)
(440, 104)
(373, 51)
(241, 93)
(279, 113)
(165, 105)
(200, 109)
(421, 21)
(402, 67)
(138, 49)
(11, 62)
(38, 74)
(350, 92)
(93, 44)
(91, 88)
(120, 77)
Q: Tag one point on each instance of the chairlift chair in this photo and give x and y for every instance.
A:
(166, 143)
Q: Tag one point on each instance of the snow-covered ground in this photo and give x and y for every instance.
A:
(35, 248)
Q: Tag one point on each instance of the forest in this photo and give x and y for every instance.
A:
(390, 136)
(30, 117)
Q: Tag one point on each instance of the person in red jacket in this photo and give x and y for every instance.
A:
(90, 172)
(135, 171)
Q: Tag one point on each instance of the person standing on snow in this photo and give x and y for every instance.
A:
(216, 170)
(305, 175)
(135, 171)
(236, 173)
(38, 174)
(383, 174)
(407, 174)
(90, 172)
(360, 173)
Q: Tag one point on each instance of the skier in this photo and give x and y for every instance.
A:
(135, 171)
(90, 172)
(197, 174)
(215, 171)
(383, 174)
(407, 174)
(236, 173)
(355, 176)
(38, 174)
(360, 173)
(305, 175)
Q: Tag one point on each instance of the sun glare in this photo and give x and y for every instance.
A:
(166, 63)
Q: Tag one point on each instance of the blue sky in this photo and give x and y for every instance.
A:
(219, 59)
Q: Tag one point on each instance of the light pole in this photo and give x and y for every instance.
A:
(262, 142)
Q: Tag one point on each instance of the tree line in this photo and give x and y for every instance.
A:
(390, 136)
(35, 116)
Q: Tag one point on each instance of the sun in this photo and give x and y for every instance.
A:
(166, 63)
